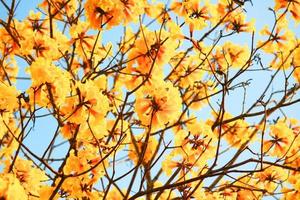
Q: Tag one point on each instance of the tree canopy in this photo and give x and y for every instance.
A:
(150, 100)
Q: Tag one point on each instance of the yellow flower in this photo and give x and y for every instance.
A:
(36, 24)
(83, 40)
(86, 102)
(222, 9)
(236, 132)
(196, 95)
(112, 12)
(75, 164)
(281, 139)
(270, 177)
(158, 106)
(151, 47)
(45, 76)
(114, 194)
(296, 63)
(30, 177)
(235, 55)
(186, 70)
(46, 192)
(8, 46)
(229, 55)
(135, 149)
(8, 98)
(8, 144)
(293, 5)
(11, 188)
(11, 68)
(68, 130)
(156, 11)
(42, 46)
(197, 17)
(239, 24)
(279, 39)
(84, 158)
(41, 71)
(60, 7)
